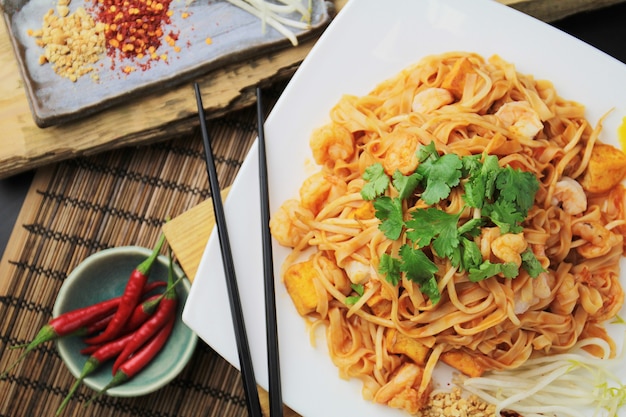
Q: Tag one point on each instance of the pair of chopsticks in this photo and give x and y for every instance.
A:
(245, 360)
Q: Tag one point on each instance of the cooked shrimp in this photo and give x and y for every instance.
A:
(399, 392)
(520, 118)
(599, 239)
(287, 224)
(319, 189)
(330, 143)
(400, 153)
(571, 195)
(533, 291)
(489, 234)
(431, 99)
(509, 247)
(358, 272)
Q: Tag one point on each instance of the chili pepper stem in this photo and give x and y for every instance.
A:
(118, 379)
(90, 366)
(45, 334)
(146, 265)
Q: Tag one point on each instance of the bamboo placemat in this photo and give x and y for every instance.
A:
(81, 206)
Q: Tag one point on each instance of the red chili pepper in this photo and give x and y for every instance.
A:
(165, 312)
(68, 323)
(79, 321)
(130, 298)
(140, 315)
(98, 357)
(97, 326)
(139, 360)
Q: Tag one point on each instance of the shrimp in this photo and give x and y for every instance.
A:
(489, 234)
(571, 195)
(431, 99)
(358, 272)
(520, 118)
(320, 188)
(288, 225)
(599, 239)
(400, 154)
(509, 247)
(330, 143)
(399, 392)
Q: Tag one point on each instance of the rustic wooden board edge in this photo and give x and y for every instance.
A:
(226, 89)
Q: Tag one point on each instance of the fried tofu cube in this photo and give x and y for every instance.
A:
(299, 284)
(606, 169)
(463, 362)
(402, 344)
(455, 80)
(380, 306)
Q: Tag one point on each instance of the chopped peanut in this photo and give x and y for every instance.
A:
(72, 42)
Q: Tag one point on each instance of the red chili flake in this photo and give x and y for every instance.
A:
(134, 28)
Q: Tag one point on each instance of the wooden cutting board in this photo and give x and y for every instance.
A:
(189, 233)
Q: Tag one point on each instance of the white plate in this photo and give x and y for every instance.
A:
(368, 42)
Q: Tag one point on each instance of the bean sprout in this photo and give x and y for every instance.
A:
(562, 384)
(275, 14)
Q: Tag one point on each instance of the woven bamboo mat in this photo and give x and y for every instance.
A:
(81, 206)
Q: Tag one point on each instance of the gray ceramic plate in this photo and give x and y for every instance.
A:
(235, 34)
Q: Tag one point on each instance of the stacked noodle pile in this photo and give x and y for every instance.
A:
(391, 335)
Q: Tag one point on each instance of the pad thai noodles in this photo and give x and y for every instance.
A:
(463, 213)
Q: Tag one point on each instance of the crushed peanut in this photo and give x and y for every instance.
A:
(72, 42)
(453, 404)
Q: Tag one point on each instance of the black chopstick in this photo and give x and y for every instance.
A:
(275, 390)
(245, 361)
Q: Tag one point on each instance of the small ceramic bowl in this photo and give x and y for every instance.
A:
(102, 276)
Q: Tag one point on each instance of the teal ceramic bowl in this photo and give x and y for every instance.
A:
(102, 276)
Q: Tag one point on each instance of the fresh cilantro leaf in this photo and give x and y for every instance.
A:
(427, 152)
(531, 264)
(488, 269)
(353, 299)
(389, 212)
(518, 187)
(377, 181)
(505, 215)
(437, 226)
(481, 181)
(471, 227)
(421, 270)
(490, 172)
(390, 268)
(430, 289)
(405, 184)
(471, 257)
(441, 176)
(426, 224)
(471, 164)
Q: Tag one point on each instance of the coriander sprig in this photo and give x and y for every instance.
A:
(503, 196)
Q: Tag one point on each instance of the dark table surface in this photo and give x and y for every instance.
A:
(604, 28)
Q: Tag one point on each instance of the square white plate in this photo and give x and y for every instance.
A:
(368, 42)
